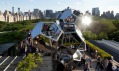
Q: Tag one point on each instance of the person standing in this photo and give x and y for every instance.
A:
(109, 67)
(61, 23)
(90, 60)
(98, 62)
(106, 62)
(86, 67)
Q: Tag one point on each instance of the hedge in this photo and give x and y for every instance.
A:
(14, 36)
(102, 53)
(29, 62)
(68, 44)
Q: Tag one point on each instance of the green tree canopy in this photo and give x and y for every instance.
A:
(89, 35)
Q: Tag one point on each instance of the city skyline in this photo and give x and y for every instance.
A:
(58, 5)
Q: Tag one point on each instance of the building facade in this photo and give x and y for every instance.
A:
(108, 15)
(2, 16)
(48, 14)
(8, 16)
(95, 11)
(117, 16)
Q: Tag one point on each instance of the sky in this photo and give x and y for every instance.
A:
(58, 5)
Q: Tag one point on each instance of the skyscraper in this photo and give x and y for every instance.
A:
(48, 13)
(95, 11)
(112, 15)
(12, 10)
(117, 16)
(36, 13)
(18, 10)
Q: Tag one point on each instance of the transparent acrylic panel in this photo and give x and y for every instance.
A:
(69, 28)
(77, 55)
(37, 30)
(71, 18)
(65, 14)
(51, 30)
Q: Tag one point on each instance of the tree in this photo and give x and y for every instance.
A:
(114, 35)
(116, 23)
(89, 35)
(102, 35)
(102, 25)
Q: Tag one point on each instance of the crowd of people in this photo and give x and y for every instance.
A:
(106, 65)
(101, 64)
(26, 46)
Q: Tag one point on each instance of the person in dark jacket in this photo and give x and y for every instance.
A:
(109, 67)
(98, 62)
(60, 67)
(86, 67)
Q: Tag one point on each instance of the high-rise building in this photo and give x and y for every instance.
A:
(48, 13)
(117, 16)
(95, 11)
(36, 13)
(112, 15)
(12, 10)
(103, 15)
(18, 10)
(108, 14)
(41, 14)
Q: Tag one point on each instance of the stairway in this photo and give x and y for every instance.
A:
(5, 63)
(9, 63)
(13, 65)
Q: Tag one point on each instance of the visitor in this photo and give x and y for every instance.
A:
(102, 65)
(61, 23)
(109, 67)
(90, 60)
(47, 28)
(96, 53)
(83, 61)
(106, 61)
(92, 53)
(86, 67)
(37, 51)
(84, 55)
(60, 67)
(98, 62)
